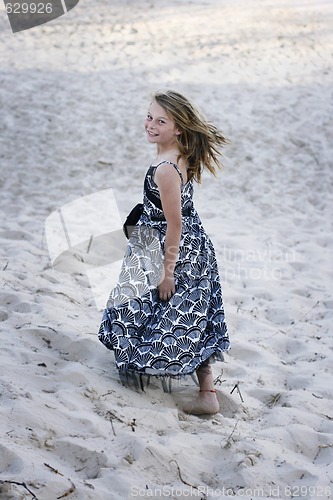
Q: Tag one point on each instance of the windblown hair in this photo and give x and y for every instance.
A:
(200, 141)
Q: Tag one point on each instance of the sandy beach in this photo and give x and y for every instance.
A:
(74, 93)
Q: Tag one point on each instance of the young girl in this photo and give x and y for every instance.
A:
(165, 317)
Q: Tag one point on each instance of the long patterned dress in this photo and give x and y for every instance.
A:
(154, 337)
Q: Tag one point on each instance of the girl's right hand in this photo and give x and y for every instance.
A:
(166, 288)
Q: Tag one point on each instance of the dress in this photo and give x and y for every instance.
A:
(166, 338)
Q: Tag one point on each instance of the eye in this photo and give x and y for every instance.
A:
(149, 117)
(161, 121)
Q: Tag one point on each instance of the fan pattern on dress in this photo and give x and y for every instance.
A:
(155, 337)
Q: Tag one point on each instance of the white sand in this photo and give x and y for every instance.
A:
(74, 93)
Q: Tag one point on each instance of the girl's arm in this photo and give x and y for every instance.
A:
(168, 182)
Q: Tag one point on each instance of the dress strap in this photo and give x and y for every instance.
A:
(176, 167)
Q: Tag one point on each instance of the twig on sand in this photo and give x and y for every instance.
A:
(107, 393)
(228, 442)
(69, 491)
(180, 475)
(104, 162)
(320, 447)
(133, 424)
(68, 297)
(19, 484)
(112, 416)
(274, 400)
(111, 422)
(218, 379)
(49, 327)
(116, 417)
(53, 469)
(21, 326)
(238, 390)
(90, 242)
(294, 323)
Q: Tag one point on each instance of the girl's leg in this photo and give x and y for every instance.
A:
(206, 402)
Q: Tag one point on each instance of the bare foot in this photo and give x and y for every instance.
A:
(205, 404)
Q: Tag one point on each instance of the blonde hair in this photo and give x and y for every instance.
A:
(199, 140)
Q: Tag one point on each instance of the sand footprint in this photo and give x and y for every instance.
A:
(11, 302)
(81, 350)
(8, 300)
(9, 461)
(268, 397)
(248, 353)
(3, 315)
(87, 463)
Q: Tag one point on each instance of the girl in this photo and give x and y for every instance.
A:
(165, 317)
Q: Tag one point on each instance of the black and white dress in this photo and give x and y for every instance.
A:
(154, 337)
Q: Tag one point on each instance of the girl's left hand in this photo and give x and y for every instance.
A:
(166, 288)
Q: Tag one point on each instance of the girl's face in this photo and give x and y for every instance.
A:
(160, 127)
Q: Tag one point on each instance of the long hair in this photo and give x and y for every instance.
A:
(199, 141)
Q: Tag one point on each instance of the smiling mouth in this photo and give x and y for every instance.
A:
(151, 134)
